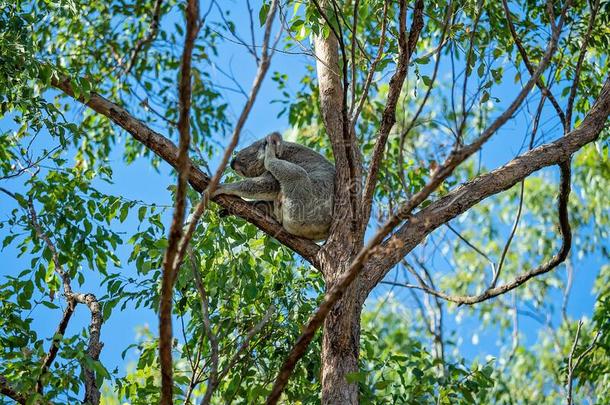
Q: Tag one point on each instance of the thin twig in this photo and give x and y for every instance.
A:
(369, 78)
(471, 245)
(581, 58)
(148, 38)
(207, 327)
(246, 341)
(528, 64)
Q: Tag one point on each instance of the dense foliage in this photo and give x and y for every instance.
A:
(58, 210)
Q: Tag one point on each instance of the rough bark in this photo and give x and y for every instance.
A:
(340, 351)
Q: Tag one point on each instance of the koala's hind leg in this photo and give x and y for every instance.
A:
(263, 188)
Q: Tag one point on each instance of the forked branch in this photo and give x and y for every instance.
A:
(94, 347)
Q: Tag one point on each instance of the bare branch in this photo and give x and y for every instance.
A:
(472, 246)
(252, 37)
(175, 232)
(238, 39)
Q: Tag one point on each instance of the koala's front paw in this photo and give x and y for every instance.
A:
(273, 144)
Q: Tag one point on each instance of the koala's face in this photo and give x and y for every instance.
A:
(250, 161)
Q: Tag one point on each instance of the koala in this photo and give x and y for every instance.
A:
(290, 182)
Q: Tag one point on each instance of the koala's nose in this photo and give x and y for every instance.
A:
(232, 164)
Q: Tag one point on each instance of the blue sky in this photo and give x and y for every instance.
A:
(139, 181)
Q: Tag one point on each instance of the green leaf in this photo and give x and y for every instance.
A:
(262, 14)
(49, 304)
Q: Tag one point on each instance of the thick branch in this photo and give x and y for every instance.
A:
(466, 196)
(166, 150)
(94, 347)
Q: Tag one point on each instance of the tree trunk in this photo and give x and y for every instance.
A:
(340, 351)
(341, 335)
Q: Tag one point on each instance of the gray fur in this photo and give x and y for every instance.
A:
(298, 180)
